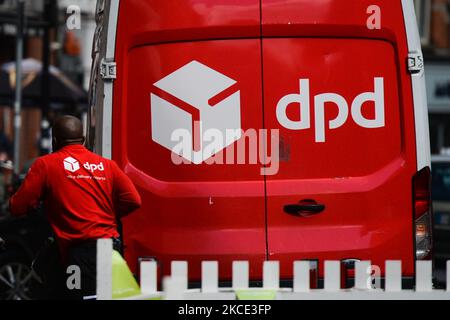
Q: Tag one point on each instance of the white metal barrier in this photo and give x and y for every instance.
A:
(175, 287)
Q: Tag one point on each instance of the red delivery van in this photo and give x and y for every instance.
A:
(265, 130)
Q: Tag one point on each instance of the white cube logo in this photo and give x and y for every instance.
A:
(199, 100)
(71, 164)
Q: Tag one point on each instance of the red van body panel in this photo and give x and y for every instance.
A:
(189, 212)
(362, 176)
(228, 212)
(354, 173)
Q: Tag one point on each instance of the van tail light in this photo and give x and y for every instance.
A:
(422, 213)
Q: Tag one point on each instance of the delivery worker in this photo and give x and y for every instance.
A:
(83, 195)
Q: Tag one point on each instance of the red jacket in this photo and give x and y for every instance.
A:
(83, 194)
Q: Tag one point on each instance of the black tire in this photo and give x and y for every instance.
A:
(17, 281)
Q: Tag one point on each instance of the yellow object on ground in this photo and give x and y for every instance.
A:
(256, 294)
(124, 284)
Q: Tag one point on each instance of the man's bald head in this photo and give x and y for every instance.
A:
(67, 130)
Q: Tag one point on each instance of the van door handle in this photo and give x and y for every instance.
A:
(304, 208)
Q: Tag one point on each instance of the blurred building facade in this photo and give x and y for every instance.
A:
(69, 50)
(433, 18)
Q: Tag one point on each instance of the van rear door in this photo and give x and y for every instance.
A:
(171, 71)
(340, 94)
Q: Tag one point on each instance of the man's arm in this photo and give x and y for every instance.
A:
(126, 197)
(31, 190)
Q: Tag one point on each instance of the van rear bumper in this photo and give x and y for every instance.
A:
(408, 283)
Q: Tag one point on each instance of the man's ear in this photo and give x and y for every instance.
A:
(54, 143)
